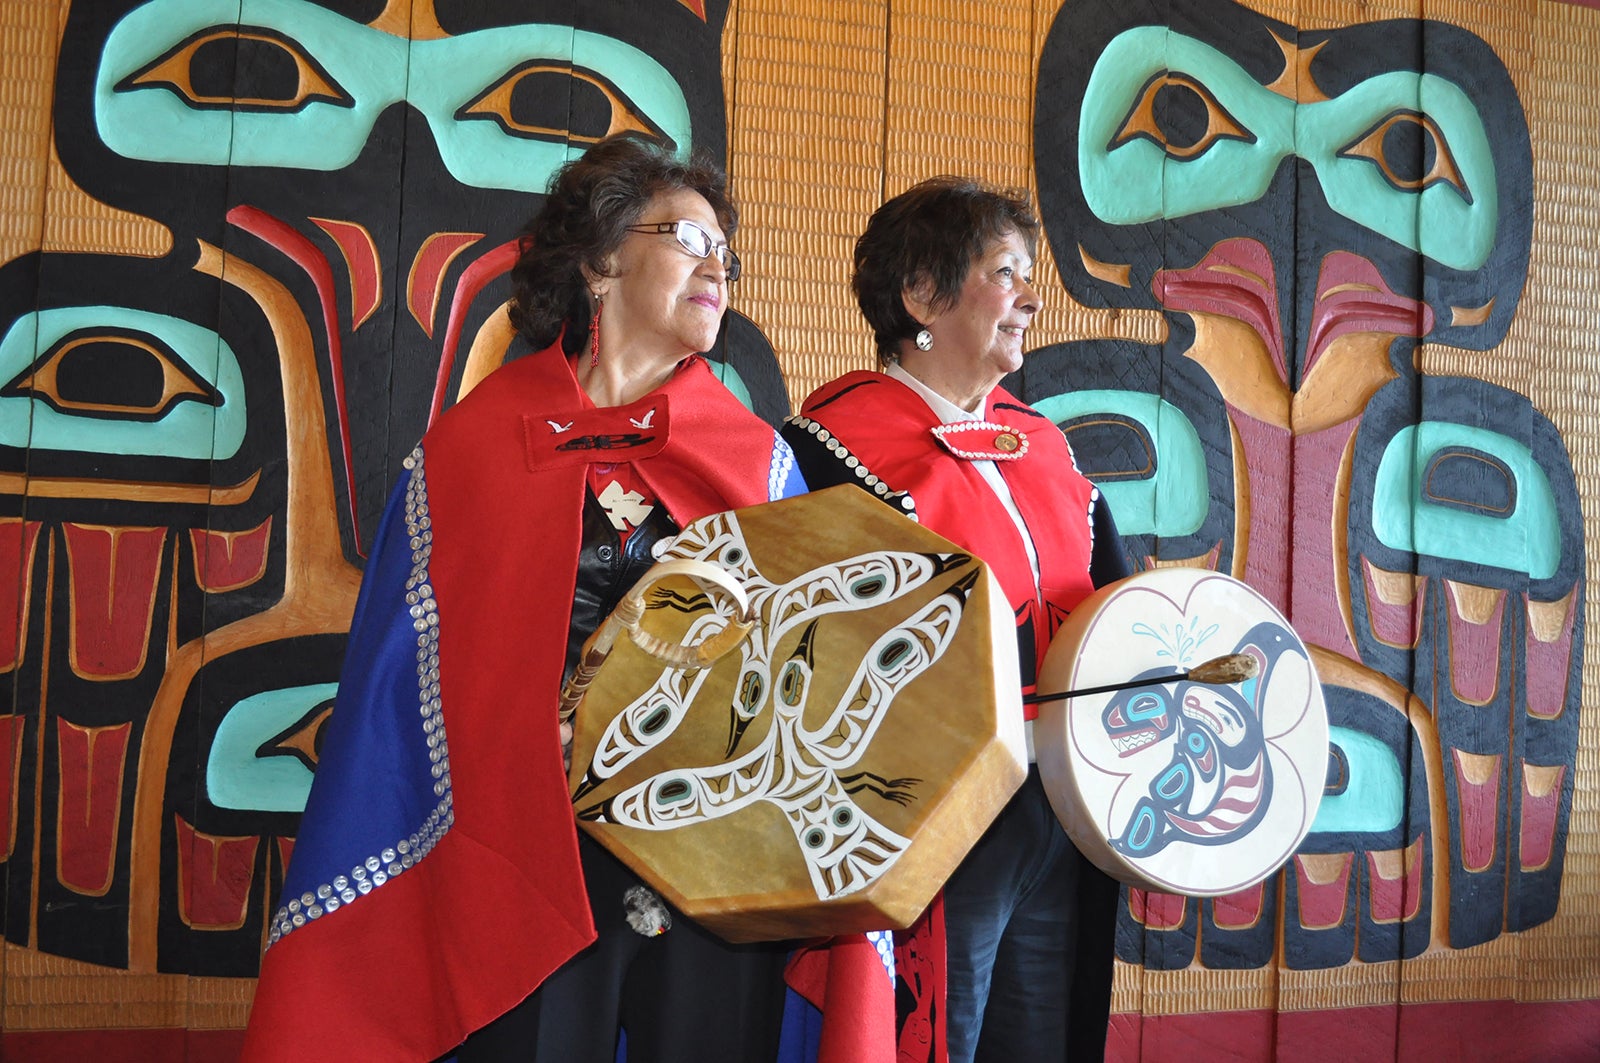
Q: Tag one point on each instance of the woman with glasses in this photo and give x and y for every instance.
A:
(526, 513)
(943, 276)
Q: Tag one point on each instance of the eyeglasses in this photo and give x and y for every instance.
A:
(696, 241)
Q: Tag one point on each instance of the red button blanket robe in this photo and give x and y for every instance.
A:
(435, 881)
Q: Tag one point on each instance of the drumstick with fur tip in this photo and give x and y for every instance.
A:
(1218, 671)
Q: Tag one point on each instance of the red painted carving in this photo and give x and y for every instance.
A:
(427, 274)
(1239, 911)
(1322, 895)
(214, 876)
(226, 561)
(361, 258)
(1353, 297)
(305, 254)
(1541, 801)
(1478, 797)
(11, 731)
(1293, 441)
(114, 572)
(1397, 623)
(1474, 647)
(92, 762)
(1548, 665)
(1158, 911)
(474, 279)
(17, 540)
(1395, 899)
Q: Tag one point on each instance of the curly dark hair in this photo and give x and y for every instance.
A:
(591, 202)
(931, 233)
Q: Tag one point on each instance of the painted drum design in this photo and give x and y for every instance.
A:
(1181, 786)
(827, 775)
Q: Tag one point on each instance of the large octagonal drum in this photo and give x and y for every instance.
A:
(827, 774)
(1182, 787)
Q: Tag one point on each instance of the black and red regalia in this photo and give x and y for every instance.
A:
(436, 880)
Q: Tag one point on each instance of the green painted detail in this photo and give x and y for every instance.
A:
(868, 586)
(376, 70)
(752, 690)
(1527, 540)
(236, 777)
(188, 429)
(1172, 502)
(1373, 800)
(1136, 181)
(791, 684)
(674, 791)
(894, 655)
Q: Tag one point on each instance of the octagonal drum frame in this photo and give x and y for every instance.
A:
(901, 785)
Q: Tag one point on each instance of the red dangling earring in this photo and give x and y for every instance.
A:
(594, 333)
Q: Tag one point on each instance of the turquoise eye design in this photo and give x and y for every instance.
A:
(1509, 518)
(673, 791)
(1160, 488)
(263, 754)
(1173, 127)
(1372, 795)
(489, 96)
(179, 389)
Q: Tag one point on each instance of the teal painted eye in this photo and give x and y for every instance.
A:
(1368, 794)
(673, 791)
(179, 390)
(733, 555)
(868, 587)
(1142, 452)
(843, 817)
(1466, 494)
(655, 721)
(752, 690)
(815, 837)
(894, 655)
(792, 684)
(264, 752)
(1172, 127)
(506, 106)
(1146, 707)
(1142, 830)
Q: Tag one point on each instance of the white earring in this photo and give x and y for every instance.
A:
(924, 340)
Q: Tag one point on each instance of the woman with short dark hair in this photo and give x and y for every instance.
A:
(438, 879)
(943, 274)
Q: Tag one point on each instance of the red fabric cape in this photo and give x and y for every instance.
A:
(498, 904)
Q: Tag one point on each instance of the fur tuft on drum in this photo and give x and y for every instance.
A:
(1180, 786)
(828, 773)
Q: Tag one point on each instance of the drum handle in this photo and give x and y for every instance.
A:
(1219, 671)
(629, 615)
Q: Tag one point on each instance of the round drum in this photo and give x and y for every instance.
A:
(1182, 787)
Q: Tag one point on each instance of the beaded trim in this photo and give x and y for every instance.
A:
(855, 465)
(782, 465)
(405, 853)
(982, 426)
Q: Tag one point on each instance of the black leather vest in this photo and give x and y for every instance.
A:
(607, 571)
